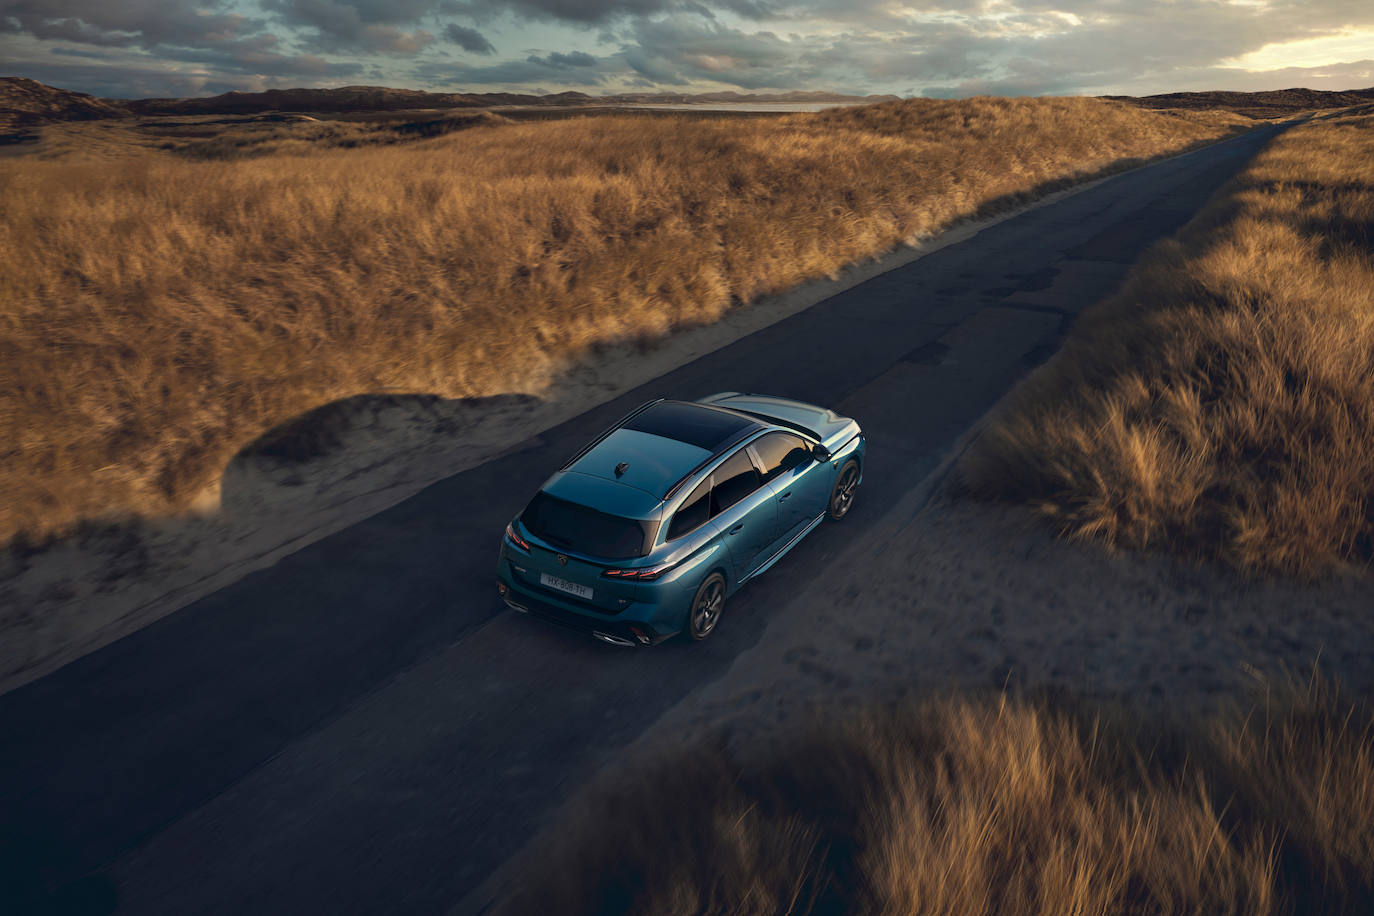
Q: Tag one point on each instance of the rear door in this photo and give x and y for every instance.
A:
(744, 511)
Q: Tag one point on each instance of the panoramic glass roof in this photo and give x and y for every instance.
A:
(691, 423)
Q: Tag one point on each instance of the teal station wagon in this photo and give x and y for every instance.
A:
(645, 532)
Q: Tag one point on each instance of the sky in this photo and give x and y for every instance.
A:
(938, 48)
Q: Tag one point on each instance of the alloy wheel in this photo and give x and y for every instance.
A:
(706, 608)
(845, 488)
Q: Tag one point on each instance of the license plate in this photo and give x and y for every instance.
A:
(563, 585)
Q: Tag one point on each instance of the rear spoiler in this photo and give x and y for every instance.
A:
(775, 421)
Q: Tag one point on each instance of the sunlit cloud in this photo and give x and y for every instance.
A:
(1345, 45)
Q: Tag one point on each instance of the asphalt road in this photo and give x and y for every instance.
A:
(363, 728)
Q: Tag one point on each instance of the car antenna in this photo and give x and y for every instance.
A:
(621, 468)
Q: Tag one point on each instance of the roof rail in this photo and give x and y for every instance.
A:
(610, 429)
(721, 449)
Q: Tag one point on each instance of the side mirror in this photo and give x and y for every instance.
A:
(820, 452)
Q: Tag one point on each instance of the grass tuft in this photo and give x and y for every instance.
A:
(1222, 403)
(972, 804)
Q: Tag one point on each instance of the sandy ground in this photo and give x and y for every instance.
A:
(86, 592)
(959, 593)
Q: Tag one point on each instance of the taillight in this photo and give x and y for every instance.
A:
(647, 574)
(516, 539)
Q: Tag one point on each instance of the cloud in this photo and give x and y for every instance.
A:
(1049, 46)
(373, 26)
(575, 59)
(163, 46)
(582, 12)
(680, 49)
(1133, 49)
(148, 24)
(575, 69)
(468, 39)
(941, 47)
(597, 12)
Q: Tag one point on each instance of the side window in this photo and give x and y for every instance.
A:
(779, 453)
(735, 479)
(692, 513)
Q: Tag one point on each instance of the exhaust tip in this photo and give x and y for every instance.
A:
(612, 639)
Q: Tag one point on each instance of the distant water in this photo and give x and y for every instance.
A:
(778, 107)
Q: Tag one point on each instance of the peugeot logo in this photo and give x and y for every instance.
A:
(562, 560)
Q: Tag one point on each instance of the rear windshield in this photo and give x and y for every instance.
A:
(586, 530)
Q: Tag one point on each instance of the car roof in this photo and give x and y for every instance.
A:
(632, 468)
(639, 459)
(710, 428)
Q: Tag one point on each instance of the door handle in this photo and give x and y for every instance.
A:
(784, 496)
(736, 529)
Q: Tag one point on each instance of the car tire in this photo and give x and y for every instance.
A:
(842, 494)
(707, 605)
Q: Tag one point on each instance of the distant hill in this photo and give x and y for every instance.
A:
(817, 98)
(376, 98)
(26, 102)
(1270, 104)
(348, 98)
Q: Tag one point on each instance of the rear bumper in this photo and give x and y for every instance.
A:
(623, 630)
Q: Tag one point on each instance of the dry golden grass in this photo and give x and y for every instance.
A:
(984, 805)
(1222, 403)
(158, 314)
